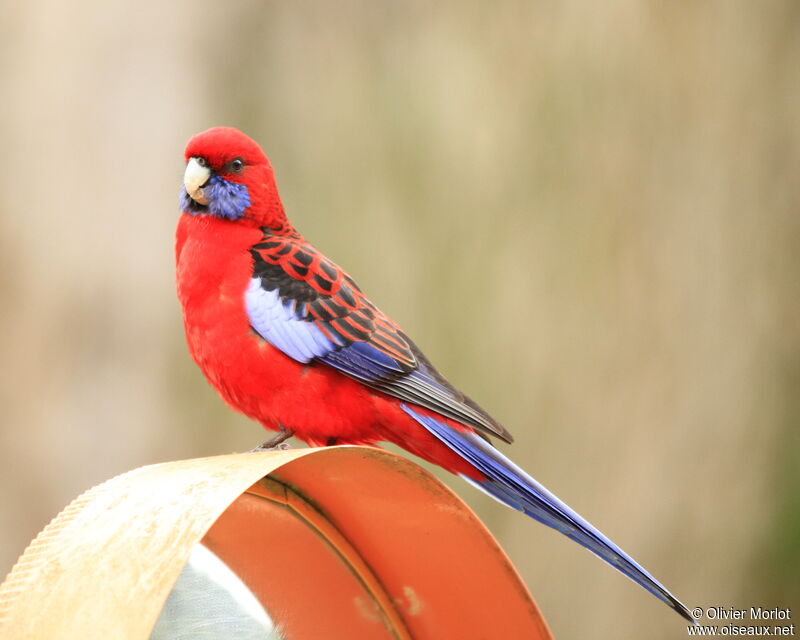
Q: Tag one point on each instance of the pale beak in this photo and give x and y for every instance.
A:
(194, 179)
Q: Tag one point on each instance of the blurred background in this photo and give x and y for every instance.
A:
(587, 216)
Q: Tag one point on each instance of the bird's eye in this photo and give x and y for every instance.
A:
(236, 165)
(201, 161)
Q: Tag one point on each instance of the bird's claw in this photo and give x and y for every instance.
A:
(265, 446)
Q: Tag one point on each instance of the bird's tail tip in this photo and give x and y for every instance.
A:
(509, 484)
(681, 609)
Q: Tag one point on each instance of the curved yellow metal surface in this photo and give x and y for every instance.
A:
(338, 542)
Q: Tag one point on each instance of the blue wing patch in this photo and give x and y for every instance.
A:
(285, 326)
(280, 324)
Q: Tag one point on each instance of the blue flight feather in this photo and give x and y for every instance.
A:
(509, 484)
(363, 361)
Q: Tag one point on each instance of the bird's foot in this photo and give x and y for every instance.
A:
(267, 446)
(276, 443)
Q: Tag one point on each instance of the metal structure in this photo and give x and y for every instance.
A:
(330, 543)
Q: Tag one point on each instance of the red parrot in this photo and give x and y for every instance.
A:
(289, 339)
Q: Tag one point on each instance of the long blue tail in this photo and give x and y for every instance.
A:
(512, 486)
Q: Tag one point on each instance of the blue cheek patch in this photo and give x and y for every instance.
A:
(228, 200)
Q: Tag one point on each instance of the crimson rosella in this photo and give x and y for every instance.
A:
(288, 338)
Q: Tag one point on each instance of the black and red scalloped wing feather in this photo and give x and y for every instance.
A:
(309, 308)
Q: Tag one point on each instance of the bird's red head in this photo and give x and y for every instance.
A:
(228, 176)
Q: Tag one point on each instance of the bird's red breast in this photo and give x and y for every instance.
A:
(214, 269)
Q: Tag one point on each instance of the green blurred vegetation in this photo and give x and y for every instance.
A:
(587, 215)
